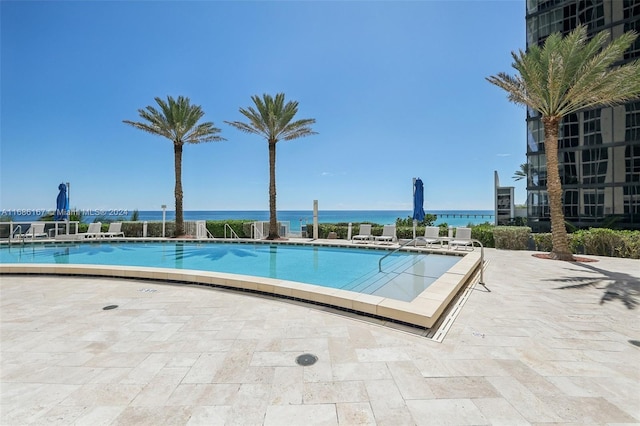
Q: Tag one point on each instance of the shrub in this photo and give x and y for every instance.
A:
(132, 229)
(631, 245)
(484, 234)
(428, 220)
(325, 228)
(406, 232)
(4, 230)
(608, 242)
(217, 228)
(444, 229)
(511, 237)
(542, 241)
(600, 242)
(597, 242)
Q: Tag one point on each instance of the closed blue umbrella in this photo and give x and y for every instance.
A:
(62, 203)
(418, 204)
(418, 201)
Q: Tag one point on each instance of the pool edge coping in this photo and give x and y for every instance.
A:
(423, 311)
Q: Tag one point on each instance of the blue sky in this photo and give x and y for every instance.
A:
(397, 89)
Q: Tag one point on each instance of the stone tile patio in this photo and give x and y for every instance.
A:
(527, 352)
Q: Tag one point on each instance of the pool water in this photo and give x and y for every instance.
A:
(354, 269)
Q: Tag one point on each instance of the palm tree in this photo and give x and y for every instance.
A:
(566, 75)
(522, 173)
(271, 119)
(177, 120)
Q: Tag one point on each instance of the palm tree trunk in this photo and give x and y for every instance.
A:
(273, 221)
(177, 154)
(560, 243)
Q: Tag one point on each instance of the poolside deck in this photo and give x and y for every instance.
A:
(528, 352)
(423, 308)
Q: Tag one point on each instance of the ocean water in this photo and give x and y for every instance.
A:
(296, 218)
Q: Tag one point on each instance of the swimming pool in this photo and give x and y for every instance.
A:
(354, 269)
(319, 273)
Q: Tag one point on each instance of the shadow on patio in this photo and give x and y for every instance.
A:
(616, 285)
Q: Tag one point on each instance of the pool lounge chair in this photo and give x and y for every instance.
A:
(35, 230)
(93, 231)
(432, 235)
(364, 234)
(462, 239)
(115, 230)
(388, 234)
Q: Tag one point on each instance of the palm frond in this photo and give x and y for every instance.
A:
(571, 73)
(271, 119)
(522, 173)
(177, 120)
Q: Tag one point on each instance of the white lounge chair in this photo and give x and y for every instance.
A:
(364, 234)
(35, 230)
(115, 230)
(94, 231)
(388, 234)
(462, 238)
(432, 235)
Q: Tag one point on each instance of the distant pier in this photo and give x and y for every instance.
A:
(464, 215)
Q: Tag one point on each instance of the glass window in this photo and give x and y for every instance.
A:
(538, 170)
(570, 16)
(632, 119)
(549, 23)
(539, 204)
(546, 4)
(634, 50)
(535, 136)
(569, 135)
(591, 12)
(568, 168)
(594, 165)
(631, 9)
(631, 193)
(571, 204)
(632, 163)
(593, 203)
(591, 127)
(632, 200)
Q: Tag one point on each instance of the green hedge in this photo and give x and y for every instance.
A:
(217, 228)
(607, 242)
(154, 229)
(484, 234)
(542, 241)
(511, 237)
(597, 242)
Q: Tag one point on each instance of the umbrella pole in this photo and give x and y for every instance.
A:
(413, 186)
(69, 211)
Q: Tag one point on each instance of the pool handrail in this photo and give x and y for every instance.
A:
(414, 240)
(232, 233)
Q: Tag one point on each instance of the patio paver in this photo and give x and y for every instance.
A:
(527, 352)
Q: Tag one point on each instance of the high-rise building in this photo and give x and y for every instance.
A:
(598, 149)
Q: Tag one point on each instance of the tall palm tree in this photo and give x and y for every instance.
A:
(522, 172)
(271, 119)
(566, 75)
(177, 120)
